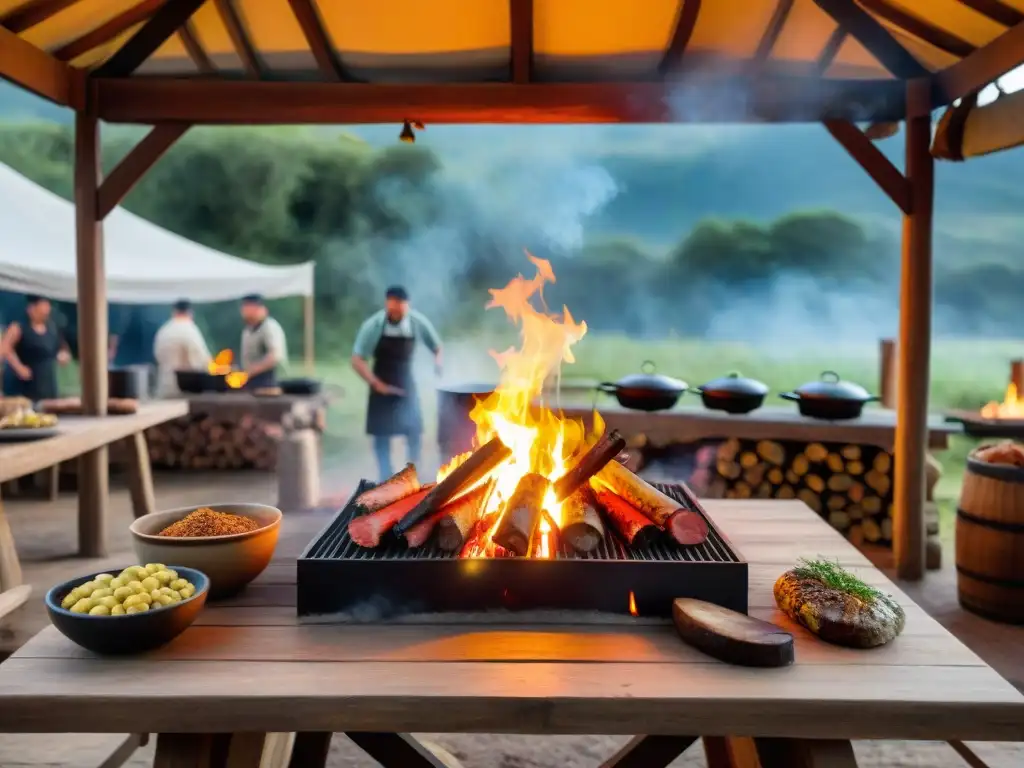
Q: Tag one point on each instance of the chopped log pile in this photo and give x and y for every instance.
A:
(208, 442)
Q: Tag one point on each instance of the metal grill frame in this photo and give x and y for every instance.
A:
(337, 577)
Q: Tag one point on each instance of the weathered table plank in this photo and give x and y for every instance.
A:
(249, 665)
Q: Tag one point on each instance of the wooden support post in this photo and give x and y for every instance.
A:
(1017, 375)
(140, 475)
(887, 372)
(93, 488)
(914, 340)
(309, 333)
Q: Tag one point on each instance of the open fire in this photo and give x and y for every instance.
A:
(221, 365)
(1010, 408)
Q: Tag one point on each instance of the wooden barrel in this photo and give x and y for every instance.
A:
(990, 541)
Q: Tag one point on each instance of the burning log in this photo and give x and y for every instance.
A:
(417, 535)
(633, 527)
(477, 543)
(401, 484)
(459, 516)
(593, 461)
(581, 522)
(367, 529)
(684, 525)
(472, 470)
(523, 514)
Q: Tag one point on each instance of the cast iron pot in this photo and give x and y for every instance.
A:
(733, 394)
(300, 386)
(128, 382)
(647, 391)
(197, 382)
(830, 398)
(455, 430)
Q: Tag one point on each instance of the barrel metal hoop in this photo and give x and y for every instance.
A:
(1004, 472)
(996, 525)
(994, 581)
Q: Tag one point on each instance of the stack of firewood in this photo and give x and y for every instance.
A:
(204, 441)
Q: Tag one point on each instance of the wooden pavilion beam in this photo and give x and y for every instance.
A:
(239, 38)
(981, 68)
(134, 165)
(108, 31)
(997, 11)
(685, 24)
(164, 23)
(920, 28)
(830, 51)
(874, 37)
(319, 43)
(35, 70)
(93, 482)
(915, 340)
(195, 50)
(771, 34)
(875, 164)
(521, 18)
(154, 100)
(33, 13)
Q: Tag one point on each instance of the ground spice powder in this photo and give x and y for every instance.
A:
(206, 522)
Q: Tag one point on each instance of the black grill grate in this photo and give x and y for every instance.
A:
(334, 573)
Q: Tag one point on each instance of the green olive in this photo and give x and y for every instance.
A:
(99, 610)
(176, 594)
(82, 606)
(152, 568)
(177, 584)
(110, 601)
(118, 610)
(116, 583)
(131, 600)
(164, 577)
(104, 578)
(137, 608)
(145, 597)
(70, 599)
(121, 593)
(163, 600)
(98, 593)
(150, 583)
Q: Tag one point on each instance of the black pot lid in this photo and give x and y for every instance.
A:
(735, 384)
(651, 381)
(831, 387)
(467, 388)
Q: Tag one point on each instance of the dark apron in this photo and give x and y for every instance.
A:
(38, 352)
(264, 380)
(389, 415)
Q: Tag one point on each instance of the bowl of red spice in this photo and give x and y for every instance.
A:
(230, 543)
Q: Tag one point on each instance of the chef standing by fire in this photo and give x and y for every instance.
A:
(264, 349)
(390, 337)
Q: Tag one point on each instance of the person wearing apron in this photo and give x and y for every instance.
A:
(33, 348)
(264, 349)
(390, 337)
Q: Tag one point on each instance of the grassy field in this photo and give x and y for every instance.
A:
(965, 374)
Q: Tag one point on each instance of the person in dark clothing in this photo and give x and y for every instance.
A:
(389, 337)
(33, 348)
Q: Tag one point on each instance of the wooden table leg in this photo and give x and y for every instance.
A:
(223, 750)
(805, 753)
(310, 750)
(93, 498)
(11, 584)
(649, 752)
(140, 475)
(396, 750)
(185, 750)
(730, 752)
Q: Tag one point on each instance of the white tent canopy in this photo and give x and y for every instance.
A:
(144, 263)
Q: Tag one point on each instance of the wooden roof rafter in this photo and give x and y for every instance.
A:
(771, 34)
(319, 42)
(685, 24)
(167, 20)
(109, 30)
(239, 38)
(31, 14)
(874, 37)
(521, 25)
(981, 68)
(996, 11)
(190, 40)
(881, 170)
(830, 50)
(37, 71)
(917, 27)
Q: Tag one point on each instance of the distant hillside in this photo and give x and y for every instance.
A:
(669, 177)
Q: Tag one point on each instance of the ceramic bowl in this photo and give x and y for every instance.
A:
(231, 561)
(132, 633)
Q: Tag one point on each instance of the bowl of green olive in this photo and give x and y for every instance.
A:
(141, 608)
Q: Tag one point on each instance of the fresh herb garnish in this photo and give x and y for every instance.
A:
(833, 575)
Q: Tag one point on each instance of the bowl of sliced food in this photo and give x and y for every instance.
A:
(19, 421)
(140, 608)
(231, 543)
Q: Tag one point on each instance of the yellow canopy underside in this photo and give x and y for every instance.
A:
(573, 40)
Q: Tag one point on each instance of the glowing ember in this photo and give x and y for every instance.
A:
(221, 366)
(1010, 408)
(541, 441)
(632, 605)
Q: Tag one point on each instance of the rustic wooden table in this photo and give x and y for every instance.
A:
(77, 436)
(248, 668)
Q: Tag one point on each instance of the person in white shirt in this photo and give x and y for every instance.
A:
(179, 346)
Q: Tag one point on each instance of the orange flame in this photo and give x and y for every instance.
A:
(221, 366)
(1010, 408)
(540, 440)
(632, 605)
